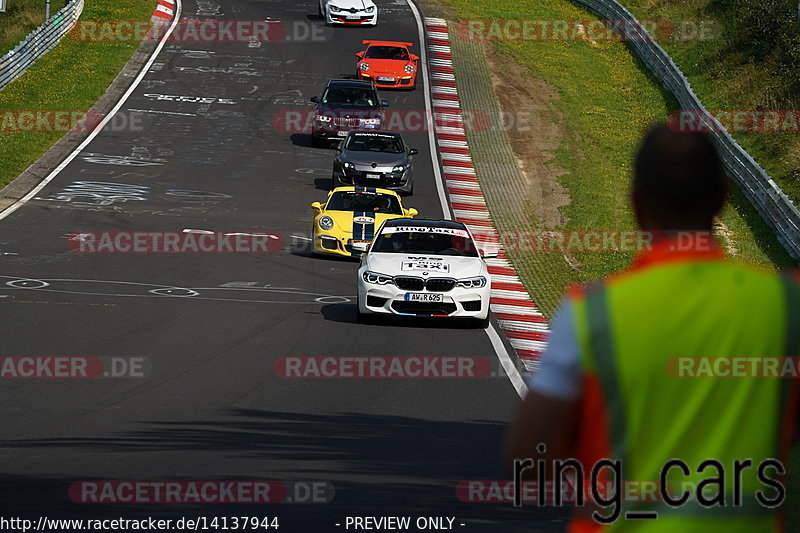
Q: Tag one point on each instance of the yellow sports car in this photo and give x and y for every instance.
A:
(353, 214)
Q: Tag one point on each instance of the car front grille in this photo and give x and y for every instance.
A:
(440, 284)
(472, 306)
(424, 308)
(329, 243)
(411, 283)
(408, 283)
(375, 301)
(347, 122)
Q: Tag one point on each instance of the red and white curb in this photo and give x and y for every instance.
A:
(520, 319)
(164, 12)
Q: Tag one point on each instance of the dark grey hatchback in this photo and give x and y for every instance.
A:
(374, 159)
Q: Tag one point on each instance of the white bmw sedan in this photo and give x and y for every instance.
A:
(349, 12)
(423, 268)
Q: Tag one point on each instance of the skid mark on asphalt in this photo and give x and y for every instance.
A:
(16, 301)
(107, 288)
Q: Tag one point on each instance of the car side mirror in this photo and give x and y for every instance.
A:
(316, 206)
(315, 99)
(412, 212)
(384, 103)
(360, 247)
(488, 254)
(413, 151)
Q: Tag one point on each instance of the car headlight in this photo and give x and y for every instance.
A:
(335, 9)
(370, 10)
(322, 118)
(326, 223)
(399, 168)
(409, 69)
(376, 278)
(364, 66)
(472, 283)
(370, 121)
(348, 166)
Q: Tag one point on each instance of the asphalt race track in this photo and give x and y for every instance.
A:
(211, 406)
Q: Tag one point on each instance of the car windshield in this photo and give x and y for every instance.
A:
(364, 202)
(387, 52)
(374, 142)
(417, 240)
(350, 96)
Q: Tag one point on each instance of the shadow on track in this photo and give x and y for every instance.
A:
(409, 466)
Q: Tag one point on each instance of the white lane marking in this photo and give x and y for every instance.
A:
(56, 171)
(437, 171)
(506, 362)
(163, 112)
(502, 354)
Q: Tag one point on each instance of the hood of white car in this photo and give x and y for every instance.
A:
(349, 4)
(425, 266)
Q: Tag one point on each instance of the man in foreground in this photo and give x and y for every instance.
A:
(621, 381)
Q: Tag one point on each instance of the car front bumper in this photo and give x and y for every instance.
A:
(405, 81)
(333, 244)
(362, 19)
(390, 300)
(328, 131)
(396, 181)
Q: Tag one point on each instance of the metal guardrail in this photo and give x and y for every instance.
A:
(38, 42)
(768, 199)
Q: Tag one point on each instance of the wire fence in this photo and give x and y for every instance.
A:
(770, 201)
(38, 42)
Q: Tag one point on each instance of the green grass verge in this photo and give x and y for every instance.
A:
(21, 18)
(608, 100)
(738, 67)
(71, 77)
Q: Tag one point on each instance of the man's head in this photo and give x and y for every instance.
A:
(678, 182)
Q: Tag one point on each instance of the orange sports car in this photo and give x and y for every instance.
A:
(388, 64)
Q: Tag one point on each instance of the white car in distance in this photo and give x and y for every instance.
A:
(423, 268)
(349, 12)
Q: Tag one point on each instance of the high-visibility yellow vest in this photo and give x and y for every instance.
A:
(631, 329)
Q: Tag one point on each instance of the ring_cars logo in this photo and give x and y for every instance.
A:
(363, 220)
